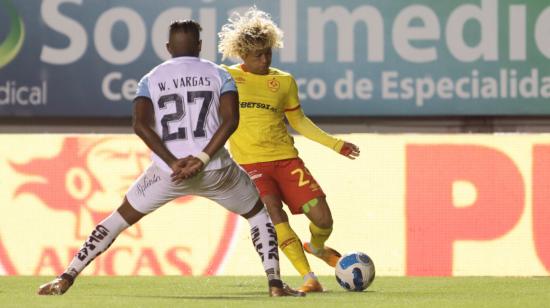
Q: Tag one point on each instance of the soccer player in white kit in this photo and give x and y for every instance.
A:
(185, 110)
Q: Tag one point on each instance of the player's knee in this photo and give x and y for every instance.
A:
(128, 213)
(258, 207)
(325, 222)
(277, 214)
(275, 209)
(318, 212)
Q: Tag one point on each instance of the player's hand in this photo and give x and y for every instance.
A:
(189, 169)
(350, 150)
(180, 163)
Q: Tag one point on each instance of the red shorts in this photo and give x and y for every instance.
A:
(289, 179)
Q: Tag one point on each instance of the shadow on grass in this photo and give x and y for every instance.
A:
(251, 296)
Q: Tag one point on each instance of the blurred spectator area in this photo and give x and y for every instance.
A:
(334, 125)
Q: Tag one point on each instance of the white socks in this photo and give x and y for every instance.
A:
(103, 235)
(264, 239)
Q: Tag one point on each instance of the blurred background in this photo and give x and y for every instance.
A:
(448, 101)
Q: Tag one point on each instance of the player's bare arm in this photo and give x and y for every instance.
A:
(229, 112)
(303, 125)
(143, 122)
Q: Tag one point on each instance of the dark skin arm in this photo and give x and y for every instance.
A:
(229, 112)
(143, 123)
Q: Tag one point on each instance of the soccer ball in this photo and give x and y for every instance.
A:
(355, 271)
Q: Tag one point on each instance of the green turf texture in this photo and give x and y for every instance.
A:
(252, 292)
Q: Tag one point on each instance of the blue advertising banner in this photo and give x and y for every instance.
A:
(83, 58)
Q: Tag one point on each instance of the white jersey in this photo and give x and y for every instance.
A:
(185, 92)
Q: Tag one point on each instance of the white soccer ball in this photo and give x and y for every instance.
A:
(355, 271)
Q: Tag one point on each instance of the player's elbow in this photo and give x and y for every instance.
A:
(296, 125)
(296, 120)
(233, 125)
(293, 124)
(139, 128)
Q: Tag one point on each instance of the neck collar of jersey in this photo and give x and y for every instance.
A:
(243, 68)
(185, 58)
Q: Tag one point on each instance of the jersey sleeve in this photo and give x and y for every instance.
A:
(292, 102)
(303, 125)
(227, 82)
(143, 87)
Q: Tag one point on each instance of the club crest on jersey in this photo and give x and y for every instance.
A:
(273, 85)
(65, 186)
(240, 80)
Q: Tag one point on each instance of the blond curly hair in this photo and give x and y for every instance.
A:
(245, 33)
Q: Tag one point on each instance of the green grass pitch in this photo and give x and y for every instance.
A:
(249, 291)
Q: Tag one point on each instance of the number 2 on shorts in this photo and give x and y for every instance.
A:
(301, 172)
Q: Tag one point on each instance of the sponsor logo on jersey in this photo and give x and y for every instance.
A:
(252, 105)
(273, 85)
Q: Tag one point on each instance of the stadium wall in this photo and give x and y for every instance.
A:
(419, 205)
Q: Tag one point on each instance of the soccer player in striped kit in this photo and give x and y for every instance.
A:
(185, 110)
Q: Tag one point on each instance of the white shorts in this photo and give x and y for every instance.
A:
(230, 187)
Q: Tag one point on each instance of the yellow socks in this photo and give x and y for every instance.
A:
(318, 236)
(292, 247)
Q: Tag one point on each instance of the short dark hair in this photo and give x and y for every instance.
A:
(186, 26)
